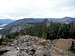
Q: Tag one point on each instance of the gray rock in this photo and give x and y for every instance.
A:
(33, 46)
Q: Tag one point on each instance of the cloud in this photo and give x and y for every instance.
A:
(37, 8)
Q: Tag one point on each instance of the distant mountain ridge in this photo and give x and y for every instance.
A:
(65, 20)
(40, 21)
(28, 21)
(19, 24)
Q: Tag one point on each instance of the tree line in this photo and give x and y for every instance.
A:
(48, 31)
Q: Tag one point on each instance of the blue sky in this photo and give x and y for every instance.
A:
(17, 9)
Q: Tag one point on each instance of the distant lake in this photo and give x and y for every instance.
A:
(1, 28)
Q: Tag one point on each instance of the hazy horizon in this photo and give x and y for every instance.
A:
(18, 9)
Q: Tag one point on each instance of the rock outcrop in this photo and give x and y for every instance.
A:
(33, 46)
(61, 47)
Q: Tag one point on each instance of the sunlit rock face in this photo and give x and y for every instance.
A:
(63, 44)
(61, 47)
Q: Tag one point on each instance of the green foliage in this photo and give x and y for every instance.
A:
(50, 31)
(12, 35)
(56, 31)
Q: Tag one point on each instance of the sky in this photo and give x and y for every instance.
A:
(17, 9)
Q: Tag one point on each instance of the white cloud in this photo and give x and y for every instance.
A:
(37, 8)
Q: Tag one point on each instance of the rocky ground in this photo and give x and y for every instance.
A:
(12, 51)
(34, 46)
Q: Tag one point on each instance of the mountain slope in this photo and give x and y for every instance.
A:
(20, 24)
(65, 20)
(5, 21)
(41, 21)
